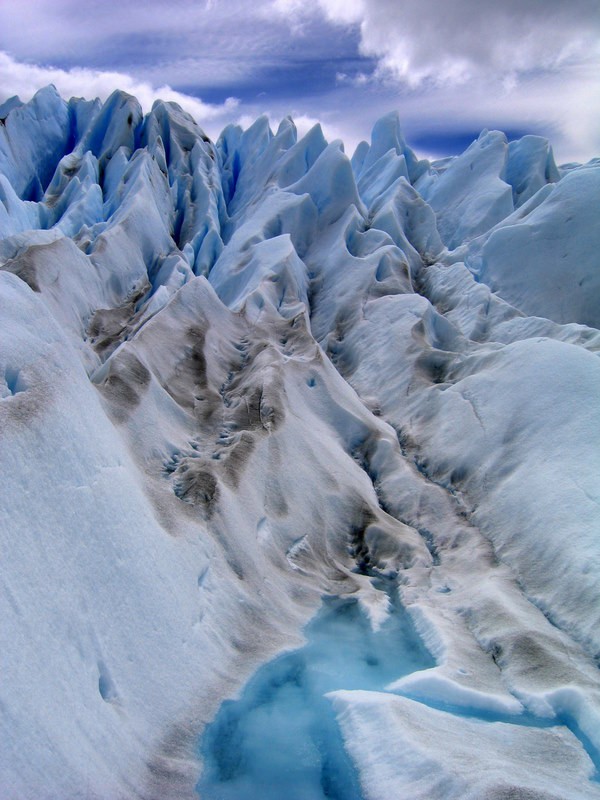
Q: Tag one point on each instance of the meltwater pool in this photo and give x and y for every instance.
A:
(279, 740)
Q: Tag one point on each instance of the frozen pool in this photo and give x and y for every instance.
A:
(280, 738)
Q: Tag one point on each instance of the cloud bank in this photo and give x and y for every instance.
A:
(519, 64)
(17, 78)
(459, 40)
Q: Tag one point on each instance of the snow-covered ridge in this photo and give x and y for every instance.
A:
(235, 377)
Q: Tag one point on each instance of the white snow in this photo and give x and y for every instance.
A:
(429, 754)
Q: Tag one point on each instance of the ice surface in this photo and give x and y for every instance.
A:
(237, 377)
(486, 760)
(556, 273)
(470, 195)
(530, 166)
(33, 138)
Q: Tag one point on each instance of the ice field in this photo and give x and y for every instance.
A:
(300, 459)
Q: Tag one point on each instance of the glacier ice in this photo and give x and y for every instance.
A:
(237, 377)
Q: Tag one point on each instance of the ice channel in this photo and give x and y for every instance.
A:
(280, 738)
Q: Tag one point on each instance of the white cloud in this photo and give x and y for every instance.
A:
(346, 12)
(303, 122)
(523, 64)
(189, 42)
(453, 41)
(25, 79)
(331, 130)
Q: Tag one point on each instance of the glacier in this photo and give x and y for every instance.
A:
(239, 377)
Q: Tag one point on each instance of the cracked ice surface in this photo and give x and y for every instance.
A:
(236, 377)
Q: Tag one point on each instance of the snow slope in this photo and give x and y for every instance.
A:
(235, 377)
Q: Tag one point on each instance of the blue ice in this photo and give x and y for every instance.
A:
(280, 738)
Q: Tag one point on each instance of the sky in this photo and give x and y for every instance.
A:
(450, 67)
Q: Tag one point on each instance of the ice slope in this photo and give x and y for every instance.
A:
(556, 236)
(235, 377)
